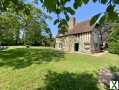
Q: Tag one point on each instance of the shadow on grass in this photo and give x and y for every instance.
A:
(70, 81)
(114, 69)
(23, 57)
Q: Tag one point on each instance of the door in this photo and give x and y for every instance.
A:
(76, 47)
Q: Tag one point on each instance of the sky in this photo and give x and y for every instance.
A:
(82, 13)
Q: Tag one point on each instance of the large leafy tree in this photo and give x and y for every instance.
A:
(33, 25)
(9, 22)
(9, 27)
(21, 17)
(9, 19)
(16, 5)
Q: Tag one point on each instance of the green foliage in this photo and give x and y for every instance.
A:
(69, 10)
(113, 40)
(35, 27)
(70, 81)
(95, 18)
(78, 3)
(9, 26)
(116, 1)
(29, 20)
(103, 1)
(111, 13)
(15, 5)
(59, 6)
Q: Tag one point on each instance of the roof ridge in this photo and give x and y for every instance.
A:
(88, 20)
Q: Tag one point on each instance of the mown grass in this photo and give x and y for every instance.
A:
(49, 69)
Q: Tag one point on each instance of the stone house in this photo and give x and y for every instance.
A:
(80, 37)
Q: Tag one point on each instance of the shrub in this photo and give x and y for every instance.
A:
(113, 40)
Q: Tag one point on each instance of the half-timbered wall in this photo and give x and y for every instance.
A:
(68, 42)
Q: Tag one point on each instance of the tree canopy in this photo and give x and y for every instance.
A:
(59, 6)
(113, 38)
(23, 23)
(32, 20)
(9, 27)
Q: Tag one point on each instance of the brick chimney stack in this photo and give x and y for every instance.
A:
(72, 23)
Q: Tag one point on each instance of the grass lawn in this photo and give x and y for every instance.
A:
(49, 69)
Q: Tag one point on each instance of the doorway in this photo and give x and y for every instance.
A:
(76, 47)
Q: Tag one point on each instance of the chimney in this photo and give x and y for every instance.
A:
(72, 23)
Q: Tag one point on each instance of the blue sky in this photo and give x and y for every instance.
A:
(82, 13)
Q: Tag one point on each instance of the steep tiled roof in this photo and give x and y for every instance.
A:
(80, 28)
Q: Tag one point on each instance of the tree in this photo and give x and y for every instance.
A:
(59, 6)
(18, 17)
(9, 27)
(113, 38)
(13, 5)
(11, 9)
(33, 25)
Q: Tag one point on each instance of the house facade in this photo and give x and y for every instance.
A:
(80, 37)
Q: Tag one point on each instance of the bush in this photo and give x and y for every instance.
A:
(113, 47)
